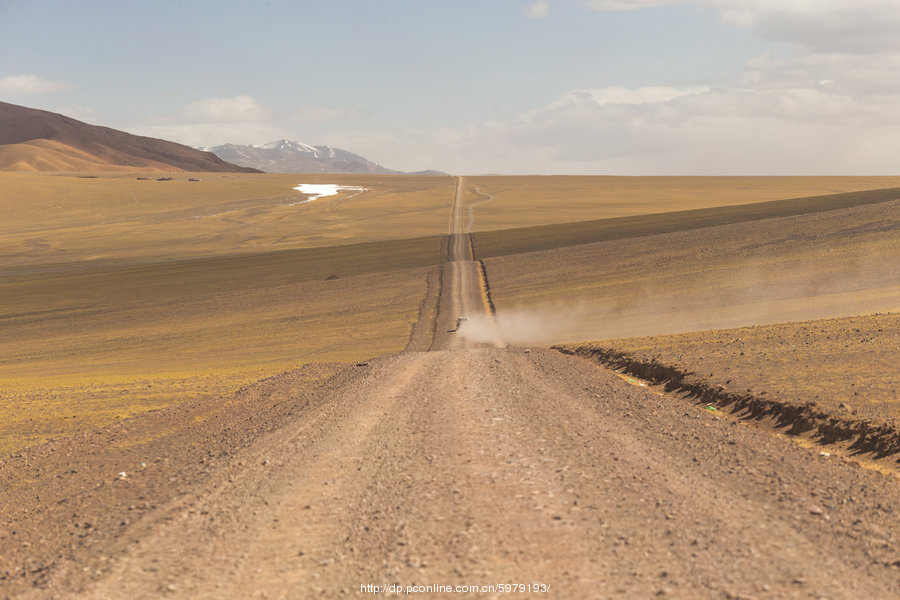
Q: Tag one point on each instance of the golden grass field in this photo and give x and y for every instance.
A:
(68, 217)
(838, 262)
(53, 218)
(502, 242)
(529, 201)
(86, 347)
(114, 299)
(118, 296)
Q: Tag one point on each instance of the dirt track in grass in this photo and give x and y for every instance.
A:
(469, 465)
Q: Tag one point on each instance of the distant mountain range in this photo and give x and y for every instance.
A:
(285, 156)
(38, 140)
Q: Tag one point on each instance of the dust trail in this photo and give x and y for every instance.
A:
(521, 327)
(833, 264)
(740, 294)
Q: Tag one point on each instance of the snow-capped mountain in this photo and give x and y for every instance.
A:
(285, 156)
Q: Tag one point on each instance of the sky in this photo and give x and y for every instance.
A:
(596, 87)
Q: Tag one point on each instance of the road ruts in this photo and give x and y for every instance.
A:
(464, 287)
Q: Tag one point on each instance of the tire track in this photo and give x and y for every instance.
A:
(423, 331)
(471, 208)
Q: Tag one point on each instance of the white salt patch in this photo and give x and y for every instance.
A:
(313, 190)
(320, 190)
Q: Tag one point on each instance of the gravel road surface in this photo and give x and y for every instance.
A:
(490, 466)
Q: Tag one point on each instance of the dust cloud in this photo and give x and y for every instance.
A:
(734, 295)
(525, 326)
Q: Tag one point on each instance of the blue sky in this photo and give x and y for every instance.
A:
(490, 86)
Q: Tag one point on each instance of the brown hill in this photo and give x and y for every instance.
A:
(38, 140)
(48, 155)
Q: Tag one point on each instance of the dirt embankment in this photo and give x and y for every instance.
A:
(828, 421)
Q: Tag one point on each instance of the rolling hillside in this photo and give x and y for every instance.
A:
(37, 140)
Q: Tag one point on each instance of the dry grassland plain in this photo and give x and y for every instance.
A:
(836, 262)
(120, 295)
(64, 218)
(503, 202)
(87, 347)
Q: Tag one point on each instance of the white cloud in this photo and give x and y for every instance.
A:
(730, 129)
(621, 95)
(537, 10)
(859, 26)
(783, 115)
(209, 134)
(240, 119)
(213, 121)
(826, 106)
(30, 84)
(620, 5)
(847, 74)
(239, 109)
(245, 109)
(855, 26)
(323, 114)
(829, 106)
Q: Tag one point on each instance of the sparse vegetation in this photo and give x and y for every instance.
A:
(100, 322)
(545, 237)
(120, 295)
(60, 218)
(824, 264)
(531, 201)
(85, 348)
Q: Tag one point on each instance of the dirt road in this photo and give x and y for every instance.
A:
(493, 466)
(478, 466)
(464, 289)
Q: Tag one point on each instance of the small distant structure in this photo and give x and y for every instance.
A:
(143, 179)
(165, 178)
(194, 179)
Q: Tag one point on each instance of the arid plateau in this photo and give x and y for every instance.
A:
(216, 386)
